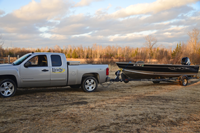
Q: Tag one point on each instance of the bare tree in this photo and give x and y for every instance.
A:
(1, 46)
(150, 43)
(193, 41)
(1, 41)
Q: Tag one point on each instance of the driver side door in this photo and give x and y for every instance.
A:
(37, 73)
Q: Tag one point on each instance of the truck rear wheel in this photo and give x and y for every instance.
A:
(7, 88)
(89, 84)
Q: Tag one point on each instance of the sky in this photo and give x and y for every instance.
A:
(46, 23)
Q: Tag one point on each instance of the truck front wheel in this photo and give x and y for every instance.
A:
(89, 84)
(7, 88)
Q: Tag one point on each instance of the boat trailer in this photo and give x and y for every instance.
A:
(183, 79)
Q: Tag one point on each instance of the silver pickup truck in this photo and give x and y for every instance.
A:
(49, 69)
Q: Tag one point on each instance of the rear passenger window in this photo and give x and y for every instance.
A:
(56, 60)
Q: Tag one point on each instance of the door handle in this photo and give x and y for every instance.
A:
(45, 70)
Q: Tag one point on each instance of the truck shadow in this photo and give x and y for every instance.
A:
(24, 91)
(27, 91)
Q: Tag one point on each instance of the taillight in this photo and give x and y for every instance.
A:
(107, 71)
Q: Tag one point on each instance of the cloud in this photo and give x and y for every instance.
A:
(45, 9)
(103, 11)
(85, 3)
(81, 24)
(29, 18)
(58, 37)
(11, 24)
(155, 7)
(169, 26)
(2, 12)
(34, 25)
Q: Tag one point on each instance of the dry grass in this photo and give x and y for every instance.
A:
(134, 107)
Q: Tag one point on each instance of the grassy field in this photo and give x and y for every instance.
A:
(134, 107)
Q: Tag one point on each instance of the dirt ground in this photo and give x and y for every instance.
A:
(134, 107)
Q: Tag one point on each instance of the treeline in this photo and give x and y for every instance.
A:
(110, 54)
(161, 55)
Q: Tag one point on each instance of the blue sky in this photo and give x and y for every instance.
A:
(46, 23)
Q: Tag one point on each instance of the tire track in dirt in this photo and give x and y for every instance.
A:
(126, 98)
(189, 124)
(83, 111)
(112, 110)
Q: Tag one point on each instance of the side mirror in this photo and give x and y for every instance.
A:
(27, 64)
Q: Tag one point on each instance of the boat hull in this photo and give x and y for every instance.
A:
(153, 71)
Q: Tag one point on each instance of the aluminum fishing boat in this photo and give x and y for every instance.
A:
(141, 70)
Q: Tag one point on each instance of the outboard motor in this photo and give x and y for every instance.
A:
(185, 61)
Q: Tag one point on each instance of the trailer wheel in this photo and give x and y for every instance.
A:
(184, 81)
(124, 78)
(156, 82)
(75, 86)
(89, 84)
(7, 88)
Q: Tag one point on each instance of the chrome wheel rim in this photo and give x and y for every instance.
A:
(90, 84)
(7, 89)
(184, 82)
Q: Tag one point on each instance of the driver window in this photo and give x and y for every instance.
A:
(39, 60)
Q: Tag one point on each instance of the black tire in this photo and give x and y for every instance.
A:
(126, 81)
(75, 86)
(89, 84)
(8, 88)
(184, 81)
(156, 82)
(124, 78)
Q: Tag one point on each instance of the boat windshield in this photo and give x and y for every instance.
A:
(21, 59)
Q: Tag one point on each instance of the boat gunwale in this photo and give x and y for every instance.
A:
(127, 63)
(160, 73)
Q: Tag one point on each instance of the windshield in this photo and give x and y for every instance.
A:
(21, 59)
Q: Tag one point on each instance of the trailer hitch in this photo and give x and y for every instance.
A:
(117, 73)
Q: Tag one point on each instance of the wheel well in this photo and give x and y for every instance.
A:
(96, 75)
(12, 77)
